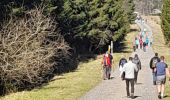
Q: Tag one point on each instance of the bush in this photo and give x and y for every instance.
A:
(29, 48)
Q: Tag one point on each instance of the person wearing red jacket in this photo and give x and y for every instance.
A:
(107, 65)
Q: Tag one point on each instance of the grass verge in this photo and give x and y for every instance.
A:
(160, 46)
(73, 85)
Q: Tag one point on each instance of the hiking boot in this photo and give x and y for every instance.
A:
(128, 96)
(159, 96)
(132, 96)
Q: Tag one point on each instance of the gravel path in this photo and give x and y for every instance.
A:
(114, 89)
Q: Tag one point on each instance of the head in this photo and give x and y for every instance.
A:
(136, 56)
(130, 58)
(162, 58)
(156, 54)
(107, 53)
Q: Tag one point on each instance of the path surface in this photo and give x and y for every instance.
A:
(114, 89)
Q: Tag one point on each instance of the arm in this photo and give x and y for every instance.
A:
(140, 65)
(120, 62)
(123, 70)
(167, 72)
(151, 63)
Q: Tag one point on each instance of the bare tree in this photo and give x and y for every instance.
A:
(28, 48)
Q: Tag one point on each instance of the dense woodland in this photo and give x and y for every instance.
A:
(41, 38)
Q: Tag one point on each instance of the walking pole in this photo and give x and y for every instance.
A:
(111, 47)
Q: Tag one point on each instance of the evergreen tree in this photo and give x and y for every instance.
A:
(166, 19)
(129, 8)
(95, 22)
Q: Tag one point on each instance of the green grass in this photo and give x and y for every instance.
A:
(73, 85)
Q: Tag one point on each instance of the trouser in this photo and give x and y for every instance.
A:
(141, 46)
(154, 77)
(131, 81)
(106, 72)
(144, 48)
(136, 77)
(134, 48)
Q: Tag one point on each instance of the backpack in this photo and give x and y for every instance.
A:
(123, 61)
(107, 60)
(154, 61)
(137, 62)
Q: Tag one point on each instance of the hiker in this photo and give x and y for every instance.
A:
(122, 62)
(161, 70)
(134, 46)
(137, 42)
(107, 65)
(153, 62)
(136, 61)
(144, 46)
(141, 42)
(129, 70)
(147, 40)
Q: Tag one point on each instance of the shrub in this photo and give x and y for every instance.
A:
(29, 47)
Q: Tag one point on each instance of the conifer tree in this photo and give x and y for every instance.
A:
(166, 19)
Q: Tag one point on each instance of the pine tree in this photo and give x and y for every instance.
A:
(129, 8)
(96, 21)
(166, 19)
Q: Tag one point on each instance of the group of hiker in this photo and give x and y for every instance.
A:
(159, 71)
(129, 71)
(142, 41)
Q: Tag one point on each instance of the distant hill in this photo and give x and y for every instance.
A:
(148, 6)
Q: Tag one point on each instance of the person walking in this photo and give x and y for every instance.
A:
(129, 70)
(136, 61)
(147, 41)
(161, 70)
(107, 65)
(153, 62)
(137, 42)
(141, 42)
(144, 46)
(122, 62)
(134, 46)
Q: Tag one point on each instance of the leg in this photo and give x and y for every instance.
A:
(136, 77)
(108, 69)
(132, 88)
(162, 90)
(163, 87)
(159, 91)
(127, 87)
(109, 72)
(104, 72)
(154, 78)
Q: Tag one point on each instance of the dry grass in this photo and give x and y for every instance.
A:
(159, 44)
(71, 86)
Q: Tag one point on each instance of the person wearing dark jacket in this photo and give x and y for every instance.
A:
(122, 61)
(153, 62)
(136, 61)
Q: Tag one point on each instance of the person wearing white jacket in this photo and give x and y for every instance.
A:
(129, 69)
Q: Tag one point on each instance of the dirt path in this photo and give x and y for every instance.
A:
(114, 89)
